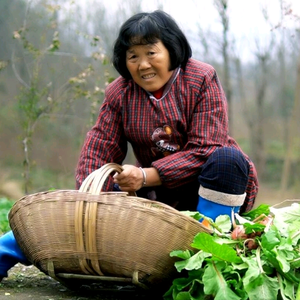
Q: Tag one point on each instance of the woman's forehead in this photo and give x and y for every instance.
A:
(141, 46)
(143, 40)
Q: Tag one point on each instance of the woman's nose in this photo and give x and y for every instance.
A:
(144, 64)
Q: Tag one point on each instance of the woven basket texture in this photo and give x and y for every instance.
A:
(91, 232)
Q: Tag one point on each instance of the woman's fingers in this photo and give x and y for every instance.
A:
(130, 179)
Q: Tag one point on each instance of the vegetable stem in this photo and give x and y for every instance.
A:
(298, 293)
(295, 234)
(262, 216)
(295, 260)
(233, 219)
(259, 260)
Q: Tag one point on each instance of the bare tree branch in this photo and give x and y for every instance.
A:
(16, 72)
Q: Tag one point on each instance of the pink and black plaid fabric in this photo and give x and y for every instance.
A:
(193, 105)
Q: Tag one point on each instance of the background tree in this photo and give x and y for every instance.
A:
(263, 55)
(222, 9)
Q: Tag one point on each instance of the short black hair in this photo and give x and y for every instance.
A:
(147, 28)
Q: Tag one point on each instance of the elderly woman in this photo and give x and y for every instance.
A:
(172, 109)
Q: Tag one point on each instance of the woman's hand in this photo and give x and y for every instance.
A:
(132, 178)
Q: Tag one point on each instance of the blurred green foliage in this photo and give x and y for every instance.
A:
(5, 206)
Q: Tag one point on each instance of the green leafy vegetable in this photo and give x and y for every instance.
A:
(205, 242)
(260, 261)
(262, 209)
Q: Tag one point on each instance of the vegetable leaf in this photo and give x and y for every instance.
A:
(223, 222)
(205, 242)
(182, 254)
(222, 267)
(287, 214)
(193, 214)
(263, 286)
(215, 284)
(270, 239)
(193, 263)
(256, 212)
(256, 282)
(249, 228)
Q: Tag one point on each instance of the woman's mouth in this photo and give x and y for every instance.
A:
(148, 76)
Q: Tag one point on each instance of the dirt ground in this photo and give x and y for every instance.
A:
(28, 283)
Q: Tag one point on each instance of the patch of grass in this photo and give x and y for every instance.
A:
(5, 206)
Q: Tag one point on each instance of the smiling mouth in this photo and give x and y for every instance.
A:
(149, 76)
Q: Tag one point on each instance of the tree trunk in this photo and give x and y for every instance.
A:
(291, 133)
(222, 8)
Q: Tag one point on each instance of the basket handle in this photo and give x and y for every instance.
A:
(92, 184)
(95, 181)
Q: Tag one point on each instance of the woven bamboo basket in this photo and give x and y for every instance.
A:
(106, 235)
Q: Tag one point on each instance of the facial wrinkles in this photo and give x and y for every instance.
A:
(149, 65)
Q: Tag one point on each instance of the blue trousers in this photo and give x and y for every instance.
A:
(10, 253)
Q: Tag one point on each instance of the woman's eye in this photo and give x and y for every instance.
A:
(151, 53)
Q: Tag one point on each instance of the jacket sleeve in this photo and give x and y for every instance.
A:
(104, 143)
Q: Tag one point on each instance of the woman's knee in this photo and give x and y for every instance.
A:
(226, 170)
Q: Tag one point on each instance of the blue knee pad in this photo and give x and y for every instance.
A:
(10, 253)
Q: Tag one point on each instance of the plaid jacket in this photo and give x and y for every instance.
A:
(175, 134)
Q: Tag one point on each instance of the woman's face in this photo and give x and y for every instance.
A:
(149, 65)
